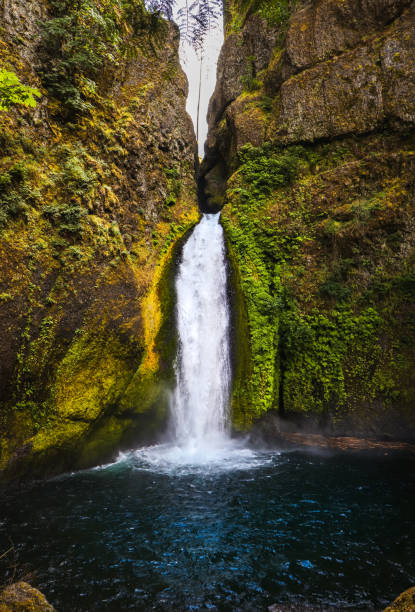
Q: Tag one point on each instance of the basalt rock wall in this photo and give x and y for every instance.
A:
(311, 153)
(96, 191)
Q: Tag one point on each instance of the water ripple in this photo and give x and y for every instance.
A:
(159, 531)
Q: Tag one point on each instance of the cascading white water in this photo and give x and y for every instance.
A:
(199, 405)
(199, 433)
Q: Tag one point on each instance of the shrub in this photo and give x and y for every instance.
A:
(267, 168)
(249, 79)
(14, 93)
(67, 217)
(75, 183)
(83, 37)
(16, 194)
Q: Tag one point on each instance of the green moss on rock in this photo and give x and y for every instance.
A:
(94, 202)
(21, 597)
(326, 317)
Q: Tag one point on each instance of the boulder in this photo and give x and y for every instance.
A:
(405, 602)
(21, 597)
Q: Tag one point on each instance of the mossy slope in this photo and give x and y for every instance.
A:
(92, 206)
(318, 214)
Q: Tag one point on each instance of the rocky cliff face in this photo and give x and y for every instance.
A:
(96, 189)
(311, 149)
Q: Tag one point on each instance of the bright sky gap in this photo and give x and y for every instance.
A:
(205, 75)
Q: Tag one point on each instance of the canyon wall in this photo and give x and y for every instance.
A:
(96, 190)
(311, 153)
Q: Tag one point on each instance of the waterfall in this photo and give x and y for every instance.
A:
(199, 429)
(199, 404)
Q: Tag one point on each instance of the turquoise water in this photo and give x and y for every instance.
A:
(291, 527)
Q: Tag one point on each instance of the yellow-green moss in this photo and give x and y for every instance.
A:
(404, 603)
(90, 219)
(320, 294)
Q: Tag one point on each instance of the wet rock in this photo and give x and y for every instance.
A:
(335, 103)
(404, 603)
(241, 52)
(82, 302)
(339, 97)
(22, 19)
(352, 93)
(326, 28)
(21, 597)
(302, 608)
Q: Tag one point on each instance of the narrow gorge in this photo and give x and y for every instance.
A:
(207, 365)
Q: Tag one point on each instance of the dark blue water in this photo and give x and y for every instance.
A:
(335, 530)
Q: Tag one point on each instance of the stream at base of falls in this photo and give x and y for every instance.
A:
(202, 521)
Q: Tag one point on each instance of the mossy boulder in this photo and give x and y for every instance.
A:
(21, 597)
(405, 602)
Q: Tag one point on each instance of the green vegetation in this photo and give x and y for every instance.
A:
(67, 217)
(89, 221)
(252, 249)
(277, 14)
(322, 351)
(174, 185)
(14, 93)
(249, 79)
(16, 193)
(74, 183)
(83, 39)
(268, 167)
(72, 186)
(321, 299)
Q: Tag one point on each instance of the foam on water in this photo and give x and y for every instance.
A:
(198, 438)
(199, 429)
(206, 459)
